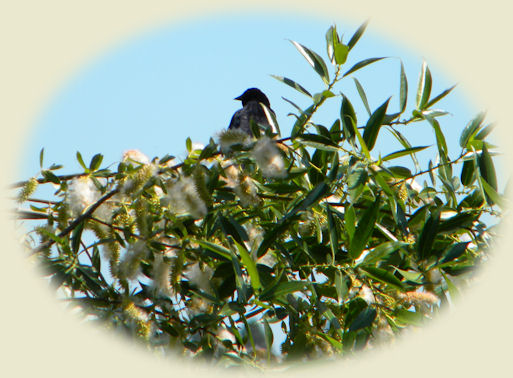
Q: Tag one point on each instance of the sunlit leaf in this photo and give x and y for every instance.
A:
(407, 151)
(382, 275)
(356, 36)
(362, 94)
(471, 129)
(435, 99)
(362, 64)
(292, 84)
(314, 60)
(424, 88)
(403, 90)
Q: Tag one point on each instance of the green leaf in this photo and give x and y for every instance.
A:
(362, 64)
(381, 251)
(356, 36)
(314, 60)
(341, 52)
(410, 275)
(468, 171)
(364, 229)
(428, 235)
(41, 156)
(440, 138)
(406, 151)
(491, 194)
(457, 222)
(364, 319)
(331, 39)
(282, 289)
(318, 141)
(314, 196)
(439, 97)
(292, 84)
(424, 89)
(250, 266)
(217, 249)
(404, 142)
(399, 172)
(301, 121)
(382, 275)
(81, 161)
(403, 90)
(362, 94)
(471, 130)
(76, 237)
(348, 118)
(455, 251)
(350, 221)
(486, 168)
(333, 233)
(341, 285)
(96, 161)
(269, 338)
(373, 125)
(50, 177)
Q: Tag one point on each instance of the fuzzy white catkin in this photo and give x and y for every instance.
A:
(183, 198)
(81, 193)
(268, 158)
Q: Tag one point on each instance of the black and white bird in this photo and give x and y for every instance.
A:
(256, 107)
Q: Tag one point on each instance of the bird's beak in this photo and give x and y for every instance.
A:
(238, 98)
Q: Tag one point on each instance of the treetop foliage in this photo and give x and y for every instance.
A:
(271, 248)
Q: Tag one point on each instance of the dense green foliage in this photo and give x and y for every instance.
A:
(316, 233)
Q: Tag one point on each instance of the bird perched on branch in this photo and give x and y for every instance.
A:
(256, 107)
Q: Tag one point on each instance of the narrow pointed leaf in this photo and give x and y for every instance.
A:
(403, 90)
(348, 118)
(250, 266)
(81, 161)
(428, 235)
(41, 157)
(424, 88)
(314, 60)
(486, 168)
(364, 319)
(96, 161)
(382, 275)
(356, 36)
(292, 84)
(435, 99)
(362, 64)
(407, 151)
(471, 129)
(364, 230)
(362, 94)
(282, 289)
(455, 251)
(373, 125)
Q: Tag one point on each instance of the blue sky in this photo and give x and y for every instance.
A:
(155, 90)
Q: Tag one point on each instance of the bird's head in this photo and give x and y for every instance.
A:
(253, 94)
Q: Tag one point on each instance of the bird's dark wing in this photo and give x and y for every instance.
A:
(251, 111)
(235, 122)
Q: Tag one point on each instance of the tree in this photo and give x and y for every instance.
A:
(310, 233)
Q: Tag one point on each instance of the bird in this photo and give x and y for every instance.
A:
(256, 107)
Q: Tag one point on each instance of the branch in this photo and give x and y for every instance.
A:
(77, 221)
